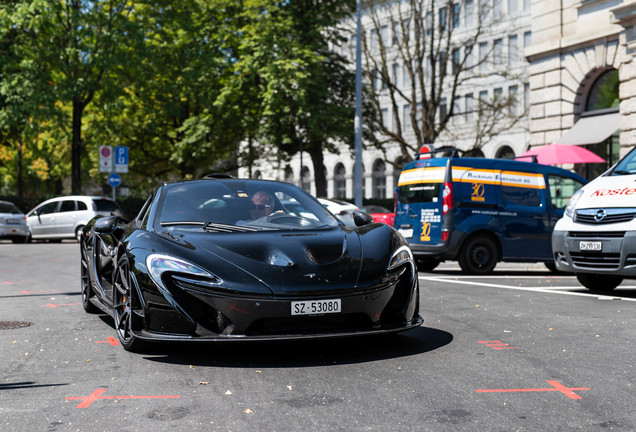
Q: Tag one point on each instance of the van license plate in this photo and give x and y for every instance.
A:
(312, 307)
(407, 233)
(590, 246)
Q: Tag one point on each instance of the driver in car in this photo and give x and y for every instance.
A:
(262, 205)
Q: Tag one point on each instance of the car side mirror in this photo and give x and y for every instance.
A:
(362, 218)
(106, 224)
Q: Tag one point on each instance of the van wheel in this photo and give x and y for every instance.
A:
(478, 255)
(599, 282)
(426, 264)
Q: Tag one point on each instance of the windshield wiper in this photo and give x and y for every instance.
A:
(217, 227)
(173, 223)
(622, 172)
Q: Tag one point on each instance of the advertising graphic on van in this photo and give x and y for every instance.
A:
(481, 211)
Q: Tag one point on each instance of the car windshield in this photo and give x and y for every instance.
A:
(7, 207)
(239, 206)
(627, 165)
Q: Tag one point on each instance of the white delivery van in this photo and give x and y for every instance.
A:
(596, 238)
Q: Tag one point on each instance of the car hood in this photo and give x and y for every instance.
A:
(610, 191)
(288, 263)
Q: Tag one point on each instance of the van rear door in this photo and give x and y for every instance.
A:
(419, 204)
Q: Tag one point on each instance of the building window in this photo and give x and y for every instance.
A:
(396, 74)
(407, 117)
(456, 15)
(443, 109)
(378, 179)
(456, 61)
(483, 56)
(513, 6)
(469, 12)
(514, 100)
(470, 107)
(339, 181)
(604, 92)
(513, 50)
(497, 51)
(289, 175)
(505, 152)
(386, 120)
(497, 9)
(442, 18)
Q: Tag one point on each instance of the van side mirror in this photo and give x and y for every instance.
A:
(362, 218)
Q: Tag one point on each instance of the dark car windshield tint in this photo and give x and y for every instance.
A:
(103, 205)
(9, 208)
(239, 206)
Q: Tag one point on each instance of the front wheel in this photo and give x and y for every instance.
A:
(599, 282)
(122, 307)
(478, 255)
(87, 291)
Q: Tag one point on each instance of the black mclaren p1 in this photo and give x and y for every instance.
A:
(233, 259)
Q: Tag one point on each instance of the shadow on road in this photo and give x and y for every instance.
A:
(324, 352)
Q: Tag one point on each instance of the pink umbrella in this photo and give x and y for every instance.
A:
(556, 154)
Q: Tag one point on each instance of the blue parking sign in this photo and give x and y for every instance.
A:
(121, 159)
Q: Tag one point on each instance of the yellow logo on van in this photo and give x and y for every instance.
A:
(478, 192)
(426, 232)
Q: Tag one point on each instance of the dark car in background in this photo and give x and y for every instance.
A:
(196, 264)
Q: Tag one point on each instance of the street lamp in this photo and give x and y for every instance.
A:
(357, 170)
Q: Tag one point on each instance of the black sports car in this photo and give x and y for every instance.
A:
(233, 259)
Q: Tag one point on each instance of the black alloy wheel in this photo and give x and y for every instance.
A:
(122, 306)
(87, 291)
(479, 255)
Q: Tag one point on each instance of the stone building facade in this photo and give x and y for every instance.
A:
(578, 86)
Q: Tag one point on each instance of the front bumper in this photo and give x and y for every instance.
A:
(195, 315)
(617, 256)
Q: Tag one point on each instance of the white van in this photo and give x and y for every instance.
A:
(596, 238)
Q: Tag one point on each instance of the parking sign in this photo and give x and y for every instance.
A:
(121, 159)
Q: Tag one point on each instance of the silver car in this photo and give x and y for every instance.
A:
(64, 217)
(12, 223)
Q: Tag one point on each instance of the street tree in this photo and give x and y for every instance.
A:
(417, 59)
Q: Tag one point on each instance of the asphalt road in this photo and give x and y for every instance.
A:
(519, 350)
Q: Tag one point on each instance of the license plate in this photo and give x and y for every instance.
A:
(590, 245)
(314, 307)
(407, 233)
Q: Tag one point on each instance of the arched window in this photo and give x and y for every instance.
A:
(306, 175)
(378, 179)
(505, 152)
(339, 181)
(289, 175)
(476, 153)
(604, 92)
(257, 175)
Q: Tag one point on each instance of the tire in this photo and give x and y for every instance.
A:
(599, 282)
(478, 255)
(552, 267)
(19, 239)
(426, 264)
(123, 293)
(87, 291)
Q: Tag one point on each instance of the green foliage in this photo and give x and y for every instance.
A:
(180, 83)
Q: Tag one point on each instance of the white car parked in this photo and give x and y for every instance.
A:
(596, 238)
(343, 210)
(64, 217)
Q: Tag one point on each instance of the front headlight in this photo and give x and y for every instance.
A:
(401, 256)
(159, 264)
(569, 209)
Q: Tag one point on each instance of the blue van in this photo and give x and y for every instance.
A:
(481, 211)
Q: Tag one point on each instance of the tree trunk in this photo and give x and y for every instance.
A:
(320, 176)
(76, 148)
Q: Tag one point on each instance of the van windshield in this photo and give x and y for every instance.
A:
(417, 193)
